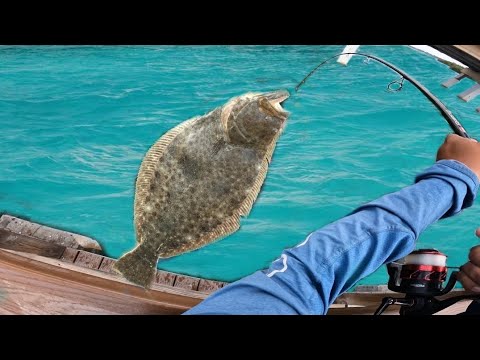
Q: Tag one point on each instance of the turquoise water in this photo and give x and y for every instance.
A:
(76, 121)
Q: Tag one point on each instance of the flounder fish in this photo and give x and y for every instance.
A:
(199, 178)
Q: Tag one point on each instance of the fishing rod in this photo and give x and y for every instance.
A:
(452, 120)
(419, 277)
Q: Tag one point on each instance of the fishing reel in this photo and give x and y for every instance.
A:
(420, 276)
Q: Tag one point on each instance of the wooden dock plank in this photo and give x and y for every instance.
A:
(29, 244)
(69, 255)
(452, 81)
(38, 285)
(165, 278)
(22, 227)
(87, 243)
(472, 50)
(372, 289)
(5, 220)
(88, 260)
(209, 286)
(48, 234)
(44, 242)
(466, 54)
(470, 93)
(456, 308)
(32, 284)
(475, 76)
(186, 282)
(69, 239)
(107, 265)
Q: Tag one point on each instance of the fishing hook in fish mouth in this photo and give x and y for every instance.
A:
(397, 85)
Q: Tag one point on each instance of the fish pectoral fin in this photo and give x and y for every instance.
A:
(138, 266)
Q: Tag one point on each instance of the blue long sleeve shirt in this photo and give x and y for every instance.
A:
(307, 278)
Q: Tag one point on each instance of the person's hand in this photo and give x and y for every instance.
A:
(467, 151)
(469, 274)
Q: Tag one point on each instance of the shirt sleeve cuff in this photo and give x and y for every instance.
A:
(463, 180)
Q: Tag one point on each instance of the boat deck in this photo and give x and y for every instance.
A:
(47, 277)
(42, 273)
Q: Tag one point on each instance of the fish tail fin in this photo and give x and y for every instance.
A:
(138, 266)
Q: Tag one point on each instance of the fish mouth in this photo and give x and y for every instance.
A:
(276, 99)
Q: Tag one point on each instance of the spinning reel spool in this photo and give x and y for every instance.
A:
(420, 276)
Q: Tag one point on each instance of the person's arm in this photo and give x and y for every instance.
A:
(309, 277)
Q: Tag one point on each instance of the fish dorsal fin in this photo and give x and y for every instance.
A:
(149, 163)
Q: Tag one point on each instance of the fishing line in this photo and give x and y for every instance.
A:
(397, 85)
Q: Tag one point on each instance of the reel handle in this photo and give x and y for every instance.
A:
(386, 302)
(450, 284)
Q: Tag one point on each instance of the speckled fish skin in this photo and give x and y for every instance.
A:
(199, 178)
